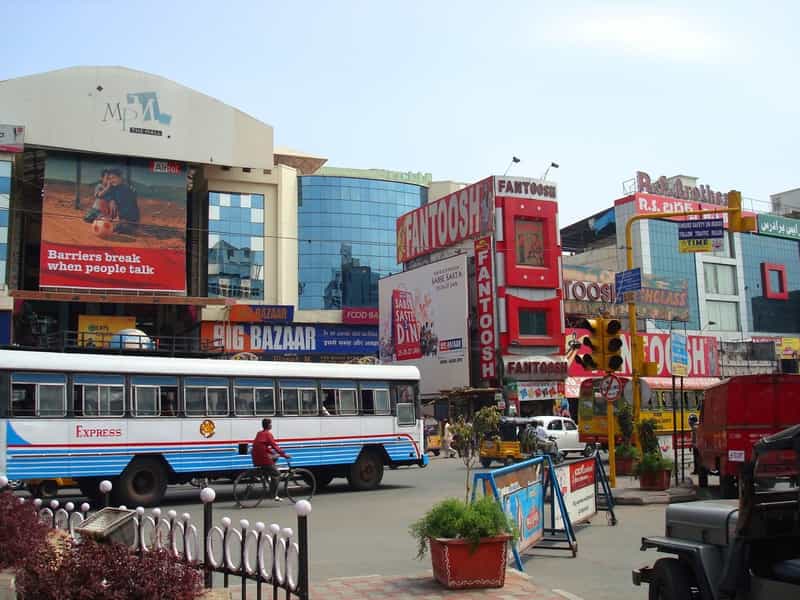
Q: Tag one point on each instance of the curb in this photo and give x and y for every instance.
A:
(637, 497)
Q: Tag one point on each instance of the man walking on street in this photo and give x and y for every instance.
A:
(263, 446)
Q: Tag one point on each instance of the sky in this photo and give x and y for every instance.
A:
(456, 88)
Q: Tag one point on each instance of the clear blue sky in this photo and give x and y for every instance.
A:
(456, 88)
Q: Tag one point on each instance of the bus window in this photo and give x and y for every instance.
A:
(254, 397)
(42, 394)
(375, 401)
(308, 402)
(299, 397)
(339, 397)
(99, 395)
(406, 414)
(289, 402)
(206, 396)
(155, 396)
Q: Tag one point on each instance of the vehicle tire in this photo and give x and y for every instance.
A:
(486, 463)
(323, 478)
(728, 486)
(249, 488)
(436, 452)
(766, 483)
(672, 580)
(702, 477)
(142, 483)
(90, 487)
(300, 484)
(367, 472)
(509, 461)
(588, 450)
(49, 489)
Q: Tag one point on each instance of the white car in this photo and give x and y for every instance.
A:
(565, 432)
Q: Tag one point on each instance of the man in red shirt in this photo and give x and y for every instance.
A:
(263, 446)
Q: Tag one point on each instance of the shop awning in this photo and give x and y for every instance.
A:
(689, 383)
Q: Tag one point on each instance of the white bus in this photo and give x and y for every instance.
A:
(146, 422)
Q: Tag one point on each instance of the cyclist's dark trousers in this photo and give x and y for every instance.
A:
(272, 475)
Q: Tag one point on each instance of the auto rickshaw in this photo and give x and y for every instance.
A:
(433, 437)
(504, 445)
(48, 488)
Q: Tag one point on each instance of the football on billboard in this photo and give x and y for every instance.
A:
(102, 228)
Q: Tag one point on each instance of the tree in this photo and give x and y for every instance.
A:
(467, 438)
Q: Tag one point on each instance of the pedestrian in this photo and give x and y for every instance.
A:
(447, 439)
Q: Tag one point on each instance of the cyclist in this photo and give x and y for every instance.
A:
(264, 445)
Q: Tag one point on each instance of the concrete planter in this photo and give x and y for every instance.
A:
(457, 565)
(655, 481)
(625, 466)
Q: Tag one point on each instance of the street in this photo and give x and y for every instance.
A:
(366, 533)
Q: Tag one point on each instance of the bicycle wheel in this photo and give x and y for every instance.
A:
(249, 489)
(299, 484)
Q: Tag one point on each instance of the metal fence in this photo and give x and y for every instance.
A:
(268, 556)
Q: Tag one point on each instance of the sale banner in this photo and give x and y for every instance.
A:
(405, 327)
(113, 224)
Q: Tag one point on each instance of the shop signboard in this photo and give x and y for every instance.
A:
(702, 354)
(779, 226)
(459, 216)
(424, 322)
(261, 313)
(589, 291)
(651, 203)
(113, 224)
(691, 246)
(96, 331)
(269, 338)
(484, 277)
(357, 315)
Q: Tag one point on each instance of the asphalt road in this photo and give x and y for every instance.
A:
(366, 533)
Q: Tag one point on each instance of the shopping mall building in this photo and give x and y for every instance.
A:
(129, 201)
(738, 302)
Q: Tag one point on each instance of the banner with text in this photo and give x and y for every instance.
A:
(113, 224)
(484, 276)
(267, 339)
(423, 322)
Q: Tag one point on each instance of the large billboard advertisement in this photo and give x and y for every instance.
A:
(423, 322)
(113, 224)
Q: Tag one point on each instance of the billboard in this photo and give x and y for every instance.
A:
(484, 284)
(702, 355)
(96, 331)
(451, 219)
(12, 138)
(113, 224)
(589, 290)
(423, 322)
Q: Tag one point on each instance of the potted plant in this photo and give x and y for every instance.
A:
(468, 542)
(626, 454)
(653, 470)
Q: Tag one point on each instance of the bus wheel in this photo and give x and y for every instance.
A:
(90, 487)
(367, 472)
(323, 477)
(142, 483)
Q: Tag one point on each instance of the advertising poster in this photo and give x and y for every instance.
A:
(113, 224)
(484, 285)
(577, 483)
(588, 290)
(680, 355)
(529, 238)
(269, 339)
(423, 322)
(524, 506)
(685, 454)
(97, 331)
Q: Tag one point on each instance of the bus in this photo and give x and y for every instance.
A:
(146, 422)
(592, 410)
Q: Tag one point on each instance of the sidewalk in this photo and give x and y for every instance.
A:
(375, 587)
(628, 492)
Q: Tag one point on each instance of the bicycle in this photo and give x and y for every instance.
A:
(250, 487)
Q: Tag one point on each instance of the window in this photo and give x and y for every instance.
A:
(146, 401)
(339, 398)
(155, 396)
(406, 415)
(723, 315)
(555, 425)
(773, 280)
(39, 394)
(532, 322)
(254, 397)
(299, 397)
(100, 400)
(206, 396)
(375, 401)
(720, 279)
(570, 426)
(529, 240)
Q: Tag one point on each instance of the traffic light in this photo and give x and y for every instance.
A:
(605, 340)
(736, 222)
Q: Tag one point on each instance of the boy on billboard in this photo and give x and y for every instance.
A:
(115, 199)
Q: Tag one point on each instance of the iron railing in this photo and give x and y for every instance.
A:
(268, 556)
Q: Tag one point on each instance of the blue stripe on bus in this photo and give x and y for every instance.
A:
(37, 378)
(252, 382)
(153, 380)
(100, 379)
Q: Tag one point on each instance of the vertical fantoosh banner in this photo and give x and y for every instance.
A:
(113, 224)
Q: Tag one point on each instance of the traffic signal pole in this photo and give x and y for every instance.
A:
(735, 223)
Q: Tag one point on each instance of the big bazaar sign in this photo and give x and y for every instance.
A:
(702, 351)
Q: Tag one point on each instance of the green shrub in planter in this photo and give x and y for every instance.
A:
(624, 451)
(454, 519)
(652, 462)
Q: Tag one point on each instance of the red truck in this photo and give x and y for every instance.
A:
(735, 414)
